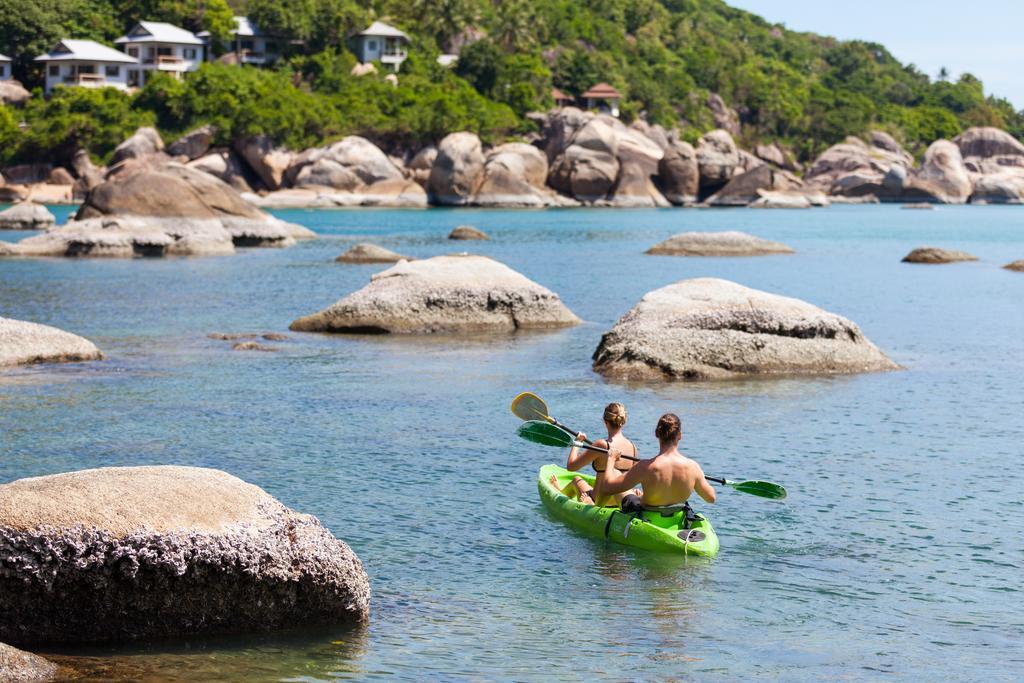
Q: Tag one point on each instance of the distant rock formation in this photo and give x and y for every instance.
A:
(937, 255)
(26, 216)
(369, 253)
(467, 232)
(459, 294)
(715, 329)
(125, 553)
(731, 243)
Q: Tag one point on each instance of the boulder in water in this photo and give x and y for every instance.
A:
(125, 553)
(457, 170)
(708, 328)
(24, 343)
(26, 216)
(937, 255)
(1016, 266)
(679, 173)
(731, 243)
(444, 294)
(467, 232)
(370, 253)
(717, 159)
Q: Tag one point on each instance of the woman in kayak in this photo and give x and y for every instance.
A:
(614, 421)
(668, 478)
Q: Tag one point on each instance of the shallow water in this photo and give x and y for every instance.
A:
(896, 556)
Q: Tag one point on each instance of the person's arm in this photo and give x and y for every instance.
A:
(580, 457)
(616, 481)
(703, 487)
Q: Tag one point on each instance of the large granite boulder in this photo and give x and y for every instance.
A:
(18, 666)
(326, 172)
(1017, 266)
(589, 166)
(145, 142)
(717, 158)
(24, 343)
(745, 188)
(26, 216)
(998, 188)
(457, 170)
(731, 243)
(60, 176)
(364, 252)
(937, 255)
(467, 232)
(419, 166)
(459, 294)
(514, 174)
(364, 159)
(708, 328)
(987, 142)
(639, 158)
(943, 169)
(149, 552)
(173, 210)
(854, 168)
(193, 144)
(679, 173)
(227, 166)
(267, 160)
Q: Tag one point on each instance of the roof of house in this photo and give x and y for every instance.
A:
(379, 28)
(557, 95)
(86, 51)
(4, 58)
(244, 27)
(603, 91)
(158, 32)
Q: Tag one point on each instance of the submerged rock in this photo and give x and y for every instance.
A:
(708, 328)
(369, 253)
(443, 294)
(937, 255)
(731, 243)
(147, 552)
(252, 346)
(23, 343)
(1015, 265)
(26, 216)
(467, 232)
(173, 210)
(17, 666)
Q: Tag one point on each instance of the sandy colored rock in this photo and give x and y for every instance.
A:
(725, 117)
(147, 552)
(1016, 266)
(24, 343)
(768, 199)
(590, 164)
(60, 176)
(708, 328)
(252, 346)
(679, 173)
(26, 216)
(854, 168)
(18, 666)
(1001, 188)
(457, 170)
(459, 294)
(987, 142)
(731, 243)
(745, 188)
(717, 158)
(13, 93)
(467, 232)
(937, 255)
(514, 175)
(145, 142)
(193, 144)
(369, 253)
(943, 167)
(921, 206)
(267, 160)
(639, 158)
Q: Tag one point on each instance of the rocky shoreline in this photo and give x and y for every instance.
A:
(577, 158)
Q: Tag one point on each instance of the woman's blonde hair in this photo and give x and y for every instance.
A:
(615, 414)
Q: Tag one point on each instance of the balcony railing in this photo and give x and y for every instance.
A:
(87, 80)
(169, 61)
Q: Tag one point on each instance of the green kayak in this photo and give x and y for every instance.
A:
(653, 532)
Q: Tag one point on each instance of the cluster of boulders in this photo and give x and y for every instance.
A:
(146, 203)
(980, 166)
(125, 553)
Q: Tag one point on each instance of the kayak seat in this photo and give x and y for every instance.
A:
(633, 504)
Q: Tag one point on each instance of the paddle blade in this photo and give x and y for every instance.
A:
(527, 406)
(545, 434)
(764, 489)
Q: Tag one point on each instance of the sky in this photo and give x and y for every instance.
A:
(982, 37)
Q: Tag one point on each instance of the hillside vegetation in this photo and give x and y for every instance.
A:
(665, 56)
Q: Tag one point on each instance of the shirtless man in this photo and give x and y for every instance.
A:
(668, 478)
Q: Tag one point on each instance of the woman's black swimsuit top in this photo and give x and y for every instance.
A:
(620, 469)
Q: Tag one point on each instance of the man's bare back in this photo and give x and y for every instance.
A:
(667, 479)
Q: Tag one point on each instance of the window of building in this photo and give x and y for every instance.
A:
(133, 52)
(86, 68)
(113, 71)
(165, 51)
(190, 53)
(372, 45)
(55, 69)
(3, 70)
(246, 44)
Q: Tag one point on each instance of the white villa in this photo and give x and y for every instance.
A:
(381, 42)
(86, 63)
(5, 68)
(160, 47)
(248, 43)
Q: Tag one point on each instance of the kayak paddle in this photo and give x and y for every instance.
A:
(527, 406)
(546, 434)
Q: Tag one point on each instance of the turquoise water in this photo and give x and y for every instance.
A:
(897, 555)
